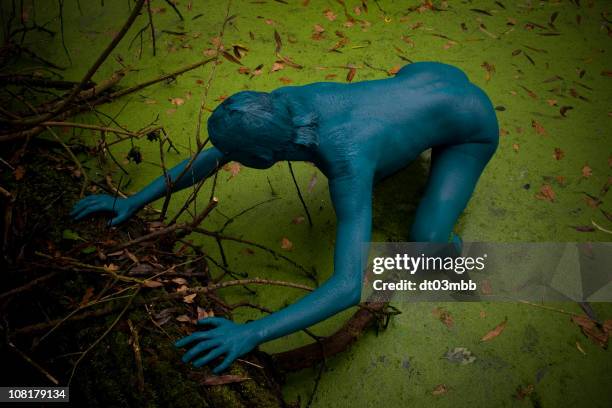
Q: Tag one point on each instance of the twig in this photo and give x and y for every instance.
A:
(136, 346)
(299, 193)
(211, 76)
(28, 285)
(142, 85)
(176, 10)
(33, 363)
(92, 70)
(74, 158)
(216, 235)
(99, 128)
(99, 339)
(152, 26)
(61, 18)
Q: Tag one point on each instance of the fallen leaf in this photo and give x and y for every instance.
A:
(19, 173)
(351, 74)
(587, 171)
(202, 314)
(177, 101)
(286, 244)
(298, 220)
(285, 80)
(277, 66)
(496, 331)
(522, 392)
(233, 168)
(223, 379)
(558, 154)
(538, 127)
(393, 70)
(183, 318)
(329, 15)
(440, 390)
(546, 193)
(584, 228)
(151, 284)
(111, 268)
(489, 70)
(592, 330)
(189, 298)
(179, 281)
(444, 316)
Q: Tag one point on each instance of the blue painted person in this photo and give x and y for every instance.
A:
(356, 134)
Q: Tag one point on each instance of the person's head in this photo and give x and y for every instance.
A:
(258, 129)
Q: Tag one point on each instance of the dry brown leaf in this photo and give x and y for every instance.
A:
(277, 66)
(592, 330)
(286, 244)
(285, 80)
(298, 220)
(111, 268)
(180, 281)
(183, 318)
(151, 283)
(223, 379)
(440, 389)
(558, 154)
(444, 316)
(587, 171)
(19, 173)
(233, 168)
(538, 127)
(177, 101)
(546, 193)
(522, 392)
(496, 331)
(329, 14)
(189, 298)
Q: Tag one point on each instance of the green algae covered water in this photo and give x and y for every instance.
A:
(546, 67)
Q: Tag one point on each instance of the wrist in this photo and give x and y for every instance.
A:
(135, 202)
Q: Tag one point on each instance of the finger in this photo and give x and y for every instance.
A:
(227, 361)
(119, 219)
(91, 209)
(214, 321)
(209, 357)
(196, 336)
(199, 348)
(81, 204)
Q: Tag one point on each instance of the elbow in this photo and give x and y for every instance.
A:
(348, 292)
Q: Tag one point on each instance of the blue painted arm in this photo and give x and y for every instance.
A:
(203, 165)
(352, 198)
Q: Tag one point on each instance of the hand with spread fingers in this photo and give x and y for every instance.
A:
(227, 338)
(123, 208)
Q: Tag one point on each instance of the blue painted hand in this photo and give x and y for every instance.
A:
(123, 208)
(227, 338)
